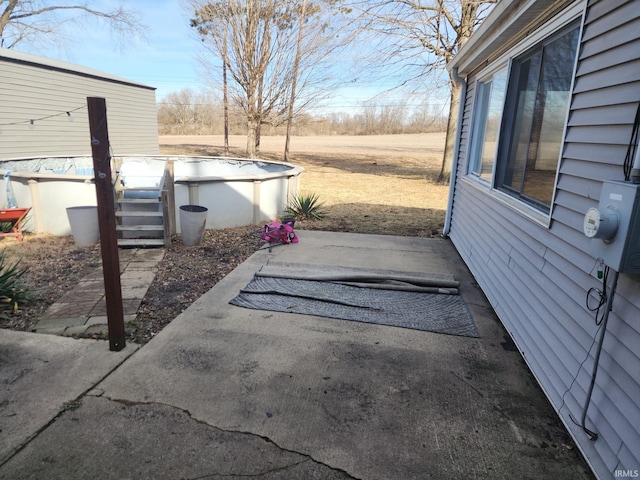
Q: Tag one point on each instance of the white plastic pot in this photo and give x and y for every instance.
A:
(84, 225)
(193, 219)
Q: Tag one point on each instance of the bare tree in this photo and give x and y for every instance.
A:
(296, 68)
(189, 112)
(225, 89)
(37, 21)
(262, 38)
(420, 37)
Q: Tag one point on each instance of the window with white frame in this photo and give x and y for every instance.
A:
(487, 113)
(530, 108)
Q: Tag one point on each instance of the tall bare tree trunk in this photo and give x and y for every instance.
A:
(452, 125)
(252, 132)
(225, 90)
(252, 122)
(259, 117)
(294, 80)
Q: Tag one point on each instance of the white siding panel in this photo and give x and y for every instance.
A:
(592, 170)
(32, 91)
(575, 247)
(601, 9)
(602, 134)
(588, 188)
(605, 96)
(617, 14)
(628, 461)
(537, 278)
(605, 115)
(620, 74)
(572, 201)
(588, 152)
(625, 53)
(619, 36)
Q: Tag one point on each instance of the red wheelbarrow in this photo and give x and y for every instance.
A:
(11, 222)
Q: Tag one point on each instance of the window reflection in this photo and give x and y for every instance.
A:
(486, 129)
(538, 100)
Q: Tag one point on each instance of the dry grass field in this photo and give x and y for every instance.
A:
(369, 184)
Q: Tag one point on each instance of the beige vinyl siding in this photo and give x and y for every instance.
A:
(537, 278)
(36, 88)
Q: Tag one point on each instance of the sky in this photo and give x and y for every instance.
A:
(167, 58)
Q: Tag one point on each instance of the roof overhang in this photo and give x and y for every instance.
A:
(510, 22)
(43, 62)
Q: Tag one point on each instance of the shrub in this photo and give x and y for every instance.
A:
(305, 206)
(12, 290)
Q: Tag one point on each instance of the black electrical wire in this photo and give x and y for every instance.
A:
(600, 294)
(633, 145)
(575, 378)
(602, 323)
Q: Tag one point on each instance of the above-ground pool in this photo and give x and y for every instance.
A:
(236, 192)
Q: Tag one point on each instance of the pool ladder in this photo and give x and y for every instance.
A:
(145, 216)
(140, 222)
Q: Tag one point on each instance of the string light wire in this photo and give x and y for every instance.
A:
(32, 121)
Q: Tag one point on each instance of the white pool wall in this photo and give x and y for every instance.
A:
(235, 203)
(49, 194)
(236, 192)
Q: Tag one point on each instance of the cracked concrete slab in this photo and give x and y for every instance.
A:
(377, 402)
(40, 374)
(100, 438)
(302, 397)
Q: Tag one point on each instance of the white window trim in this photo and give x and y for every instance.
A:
(487, 74)
(518, 206)
(574, 12)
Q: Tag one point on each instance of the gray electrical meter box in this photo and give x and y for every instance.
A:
(614, 227)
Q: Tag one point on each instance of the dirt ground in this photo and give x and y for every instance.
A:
(372, 184)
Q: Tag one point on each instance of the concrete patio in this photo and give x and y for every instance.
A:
(227, 392)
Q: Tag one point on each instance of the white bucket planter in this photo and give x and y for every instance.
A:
(84, 225)
(193, 219)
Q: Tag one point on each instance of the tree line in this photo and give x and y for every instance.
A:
(275, 58)
(190, 112)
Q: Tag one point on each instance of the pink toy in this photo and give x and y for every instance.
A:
(275, 232)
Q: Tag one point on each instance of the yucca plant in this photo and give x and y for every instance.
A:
(305, 206)
(12, 290)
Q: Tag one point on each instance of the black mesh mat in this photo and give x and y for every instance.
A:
(334, 298)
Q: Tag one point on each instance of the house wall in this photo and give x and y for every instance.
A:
(33, 88)
(537, 277)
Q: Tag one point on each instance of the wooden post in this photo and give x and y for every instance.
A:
(106, 221)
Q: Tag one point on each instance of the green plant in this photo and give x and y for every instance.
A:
(12, 290)
(305, 206)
